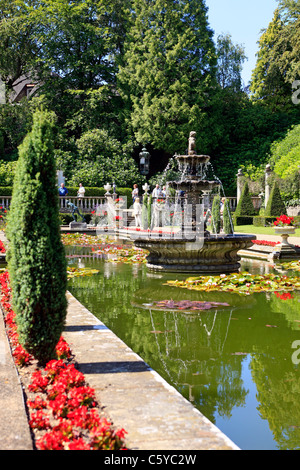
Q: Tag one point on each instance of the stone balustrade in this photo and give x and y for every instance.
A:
(86, 204)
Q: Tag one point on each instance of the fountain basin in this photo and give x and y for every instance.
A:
(211, 255)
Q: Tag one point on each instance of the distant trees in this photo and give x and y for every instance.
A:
(230, 63)
(168, 72)
(145, 72)
(278, 56)
(285, 154)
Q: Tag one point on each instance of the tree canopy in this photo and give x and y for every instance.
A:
(145, 73)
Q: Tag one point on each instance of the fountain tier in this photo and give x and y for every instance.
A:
(195, 250)
(214, 255)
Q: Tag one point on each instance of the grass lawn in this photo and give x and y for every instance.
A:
(260, 230)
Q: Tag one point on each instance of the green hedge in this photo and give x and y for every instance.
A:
(89, 191)
(263, 221)
(5, 190)
(242, 220)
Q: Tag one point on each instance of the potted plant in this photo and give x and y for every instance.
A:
(284, 226)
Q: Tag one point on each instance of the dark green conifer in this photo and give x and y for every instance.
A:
(275, 205)
(227, 219)
(215, 215)
(245, 205)
(36, 257)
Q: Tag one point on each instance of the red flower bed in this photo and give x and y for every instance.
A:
(265, 243)
(63, 410)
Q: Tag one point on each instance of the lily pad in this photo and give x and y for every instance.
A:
(241, 283)
(75, 272)
(293, 265)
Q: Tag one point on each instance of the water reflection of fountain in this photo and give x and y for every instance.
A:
(189, 248)
(175, 337)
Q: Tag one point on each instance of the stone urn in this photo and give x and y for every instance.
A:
(285, 232)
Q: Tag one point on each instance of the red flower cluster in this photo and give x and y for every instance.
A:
(265, 243)
(284, 221)
(71, 404)
(2, 247)
(21, 356)
(65, 407)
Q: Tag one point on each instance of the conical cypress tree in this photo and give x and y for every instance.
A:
(245, 205)
(36, 257)
(275, 205)
(227, 219)
(215, 215)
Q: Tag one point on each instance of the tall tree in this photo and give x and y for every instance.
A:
(278, 58)
(18, 47)
(230, 61)
(267, 82)
(36, 257)
(168, 71)
(80, 42)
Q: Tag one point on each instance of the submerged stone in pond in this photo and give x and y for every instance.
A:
(187, 305)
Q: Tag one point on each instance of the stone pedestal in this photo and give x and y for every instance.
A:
(77, 225)
(285, 248)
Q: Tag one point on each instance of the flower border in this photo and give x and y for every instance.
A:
(63, 411)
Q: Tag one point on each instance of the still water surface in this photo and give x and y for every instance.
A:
(234, 364)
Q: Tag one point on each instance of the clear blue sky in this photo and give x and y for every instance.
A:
(243, 20)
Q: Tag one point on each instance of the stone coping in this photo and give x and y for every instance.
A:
(155, 415)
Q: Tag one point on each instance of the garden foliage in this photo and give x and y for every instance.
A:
(123, 74)
(36, 258)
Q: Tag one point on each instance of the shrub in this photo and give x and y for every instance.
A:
(36, 257)
(227, 219)
(242, 220)
(245, 205)
(275, 206)
(215, 215)
(262, 221)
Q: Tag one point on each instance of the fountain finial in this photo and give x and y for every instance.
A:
(192, 143)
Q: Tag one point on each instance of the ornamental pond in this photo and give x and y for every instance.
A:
(236, 361)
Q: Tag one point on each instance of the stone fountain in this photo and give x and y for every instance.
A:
(193, 249)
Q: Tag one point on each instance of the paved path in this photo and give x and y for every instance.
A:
(14, 429)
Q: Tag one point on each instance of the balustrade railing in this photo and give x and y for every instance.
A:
(89, 203)
(86, 204)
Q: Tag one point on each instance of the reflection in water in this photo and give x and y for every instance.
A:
(234, 364)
